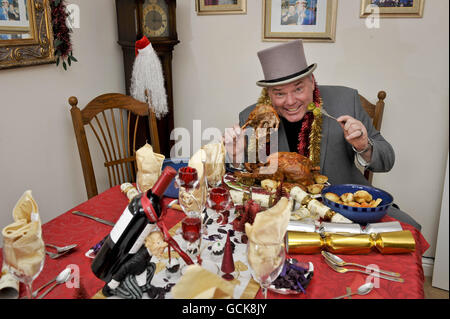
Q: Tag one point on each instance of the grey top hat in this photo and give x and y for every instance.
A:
(284, 63)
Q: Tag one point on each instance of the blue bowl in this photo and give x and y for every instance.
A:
(176, 163)
(360, 215)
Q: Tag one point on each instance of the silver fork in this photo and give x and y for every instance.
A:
(324, 112)
(56, 255)
(61, 249)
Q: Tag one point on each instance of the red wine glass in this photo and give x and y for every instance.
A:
(219, 200)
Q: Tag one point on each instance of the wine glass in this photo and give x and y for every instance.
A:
(219, 200)
(191, 227)
(24, 264)
(266, 261)
(190, 197)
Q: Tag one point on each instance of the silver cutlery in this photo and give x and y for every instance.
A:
(343, 270)
(340, 262)
(362, 290)
(61, 249)
(324, 112)
(56, 255)
(60, 279)
(34, 294)
(107, 222)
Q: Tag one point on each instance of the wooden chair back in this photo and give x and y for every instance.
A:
(376, 113)
(109, 117)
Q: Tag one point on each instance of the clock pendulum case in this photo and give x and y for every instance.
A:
(156, 19)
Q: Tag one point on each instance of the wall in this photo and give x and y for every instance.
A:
(37, 142)
(215, 70)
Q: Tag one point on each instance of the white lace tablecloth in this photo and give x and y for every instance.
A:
(241, 274)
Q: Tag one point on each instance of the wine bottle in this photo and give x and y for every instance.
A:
(129, 233)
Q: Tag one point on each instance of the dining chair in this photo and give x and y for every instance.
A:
(375, 111)
(113, 118)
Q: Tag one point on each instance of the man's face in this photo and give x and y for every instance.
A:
(291, 100)
(5, 4)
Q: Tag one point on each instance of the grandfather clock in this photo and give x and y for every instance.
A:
(156, 19)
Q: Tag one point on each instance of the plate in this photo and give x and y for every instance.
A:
(231, 182)
(285, 291)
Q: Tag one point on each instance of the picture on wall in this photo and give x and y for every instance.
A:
(205, 7)
(392, 8)
(14, 16)
(310, 20)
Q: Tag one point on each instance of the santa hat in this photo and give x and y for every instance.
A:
(147, 75)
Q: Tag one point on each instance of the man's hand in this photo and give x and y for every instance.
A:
(234, 144)
(356, 134)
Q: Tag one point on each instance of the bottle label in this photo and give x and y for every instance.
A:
(140, 240)
(120, 225)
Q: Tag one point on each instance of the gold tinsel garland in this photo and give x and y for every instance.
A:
(315, 135)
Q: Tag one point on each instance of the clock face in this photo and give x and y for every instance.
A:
(156, 18)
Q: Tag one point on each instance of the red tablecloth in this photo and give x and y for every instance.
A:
(68, 229)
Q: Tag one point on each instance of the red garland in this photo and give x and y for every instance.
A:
(61, 33)
(303, 136)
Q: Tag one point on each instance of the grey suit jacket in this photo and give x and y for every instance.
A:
(336, 154)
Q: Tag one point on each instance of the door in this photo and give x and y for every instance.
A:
(440, 271)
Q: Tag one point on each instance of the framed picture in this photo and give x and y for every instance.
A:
(206, 7)
(26, 43)
(14, 16)
(310, 20)
(392, 8)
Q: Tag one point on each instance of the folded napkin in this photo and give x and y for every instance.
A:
(215, 162)
(149, 165)
(199, 283)
(23, 246)
(9, 286)
(269, 226)
(266, 236)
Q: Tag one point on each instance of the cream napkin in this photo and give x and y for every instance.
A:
(149, 165)
(22, 240)
(9, 286)
(215, 162)
(199, 283)
(270, 225)
(265, 237)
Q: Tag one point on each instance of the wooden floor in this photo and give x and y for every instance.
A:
(432, 292)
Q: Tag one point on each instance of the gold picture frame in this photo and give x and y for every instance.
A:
(209, 7)
(32, 45)
(309, 20)
(392, 8)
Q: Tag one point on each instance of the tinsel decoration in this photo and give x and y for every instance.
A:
(61, 34)
(315, 135)
(311, 127)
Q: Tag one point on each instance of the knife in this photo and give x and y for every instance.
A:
(107, 222)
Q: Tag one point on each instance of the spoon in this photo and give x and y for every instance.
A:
(340, 262)
(60, 279)
(343, 270)
(362, 290)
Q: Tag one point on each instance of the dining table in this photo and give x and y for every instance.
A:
(325, 283)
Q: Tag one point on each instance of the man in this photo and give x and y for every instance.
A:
(291, 87)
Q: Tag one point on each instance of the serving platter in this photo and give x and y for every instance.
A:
(233, 183)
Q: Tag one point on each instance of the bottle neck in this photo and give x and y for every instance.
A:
(163, 181)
